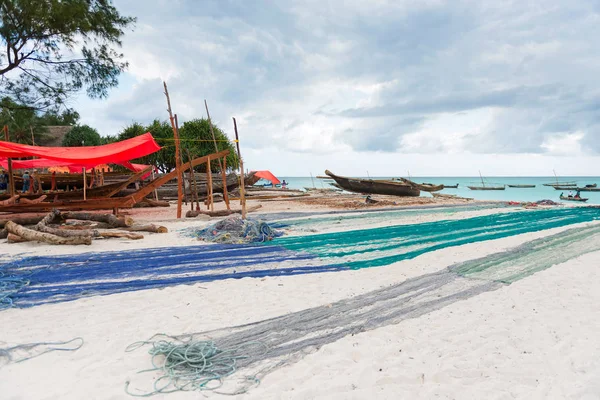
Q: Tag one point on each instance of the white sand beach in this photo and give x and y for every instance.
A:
(536, 338)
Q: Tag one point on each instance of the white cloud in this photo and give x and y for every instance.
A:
(347, 77)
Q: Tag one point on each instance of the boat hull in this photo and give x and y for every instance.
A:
(486, 187)
(368, 186)
(573, 199)
(521, 186)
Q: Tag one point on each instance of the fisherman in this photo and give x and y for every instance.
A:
(26, 181)
(570, 193)
(578, 194)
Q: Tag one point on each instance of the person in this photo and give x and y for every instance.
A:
(284, 183)
(578, 194)
(26, 182)
(562, 194)
(3, 180)
(570, 193)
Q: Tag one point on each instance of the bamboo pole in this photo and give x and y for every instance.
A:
(242, 185)
(177, 155)
(209, 186)
(11, 178)
(224, 177)
(155, 191)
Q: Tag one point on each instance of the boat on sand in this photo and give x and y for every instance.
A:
(371, 186)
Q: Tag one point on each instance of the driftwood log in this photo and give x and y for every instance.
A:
(12, 200)
(32, 235)
(3, 233)
(34, 201)
(220, 213)
(108, 234)
(110, 219)
(146, 228)
(12, 238)
(23, 220)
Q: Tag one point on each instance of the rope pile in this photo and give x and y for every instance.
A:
(236, 230)
(188, 365)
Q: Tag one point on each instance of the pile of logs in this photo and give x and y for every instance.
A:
(84, 227)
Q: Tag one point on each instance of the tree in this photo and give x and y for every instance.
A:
(195, 137)
(24, 126)
(82, 135)
(54, 48)
(68, 117)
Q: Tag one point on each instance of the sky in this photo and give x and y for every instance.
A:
(437, 88)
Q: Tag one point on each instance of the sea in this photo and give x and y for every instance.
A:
(540, 192)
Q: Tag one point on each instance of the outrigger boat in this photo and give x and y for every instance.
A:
(371, 186)
(483, 187)
(581, 199)
(521, 186)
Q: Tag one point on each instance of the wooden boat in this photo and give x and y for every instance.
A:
(564, 184)
(487, 187)
(573, 199)
(483, 187)
(370, 186)
(426, 187)
(451, 186)
(593, 185)
(588, 189)
(521, 186)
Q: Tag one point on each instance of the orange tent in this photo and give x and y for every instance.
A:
(267, 175)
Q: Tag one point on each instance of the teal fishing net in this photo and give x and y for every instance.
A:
(290, 337)
(24, 352)
(236, 230)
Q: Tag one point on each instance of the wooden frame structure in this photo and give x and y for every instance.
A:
(107, 202)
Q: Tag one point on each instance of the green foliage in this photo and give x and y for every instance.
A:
(195, 137)
(82, 135)
(68, 117)
(21, 122)
(55, 48)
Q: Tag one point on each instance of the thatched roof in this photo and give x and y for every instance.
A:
(54, 137)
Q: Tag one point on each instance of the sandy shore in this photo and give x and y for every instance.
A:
(534, 339)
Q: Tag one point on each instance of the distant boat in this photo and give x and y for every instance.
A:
(521, 186)
(573, 199)
(580, 189)
(451, 186)
(557, 183)
(483, 187)
(370, 186)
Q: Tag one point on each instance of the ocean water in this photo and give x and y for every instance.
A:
(540, 192)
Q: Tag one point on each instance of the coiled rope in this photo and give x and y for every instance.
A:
(192, 365)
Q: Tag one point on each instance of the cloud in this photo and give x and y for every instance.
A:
(423, 76)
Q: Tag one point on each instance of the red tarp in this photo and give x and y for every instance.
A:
(88, 157)
(268, 176)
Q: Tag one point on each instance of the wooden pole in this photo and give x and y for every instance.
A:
(84, 185)
(242, 185)
(209, 186)
(177, 156)
(193, 184)
(185, 196)
(224, 177)
(11, 178)
(155, 191)
(212, 132)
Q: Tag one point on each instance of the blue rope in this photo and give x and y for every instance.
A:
(189, 365)
(32, 347)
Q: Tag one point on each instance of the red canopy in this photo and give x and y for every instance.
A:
(268, 176)
(90, 156)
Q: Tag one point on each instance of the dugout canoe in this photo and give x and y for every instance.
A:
(521, 186)
(581, 199)
(370, 186)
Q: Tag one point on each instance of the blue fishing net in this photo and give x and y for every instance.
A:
(237, 230)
